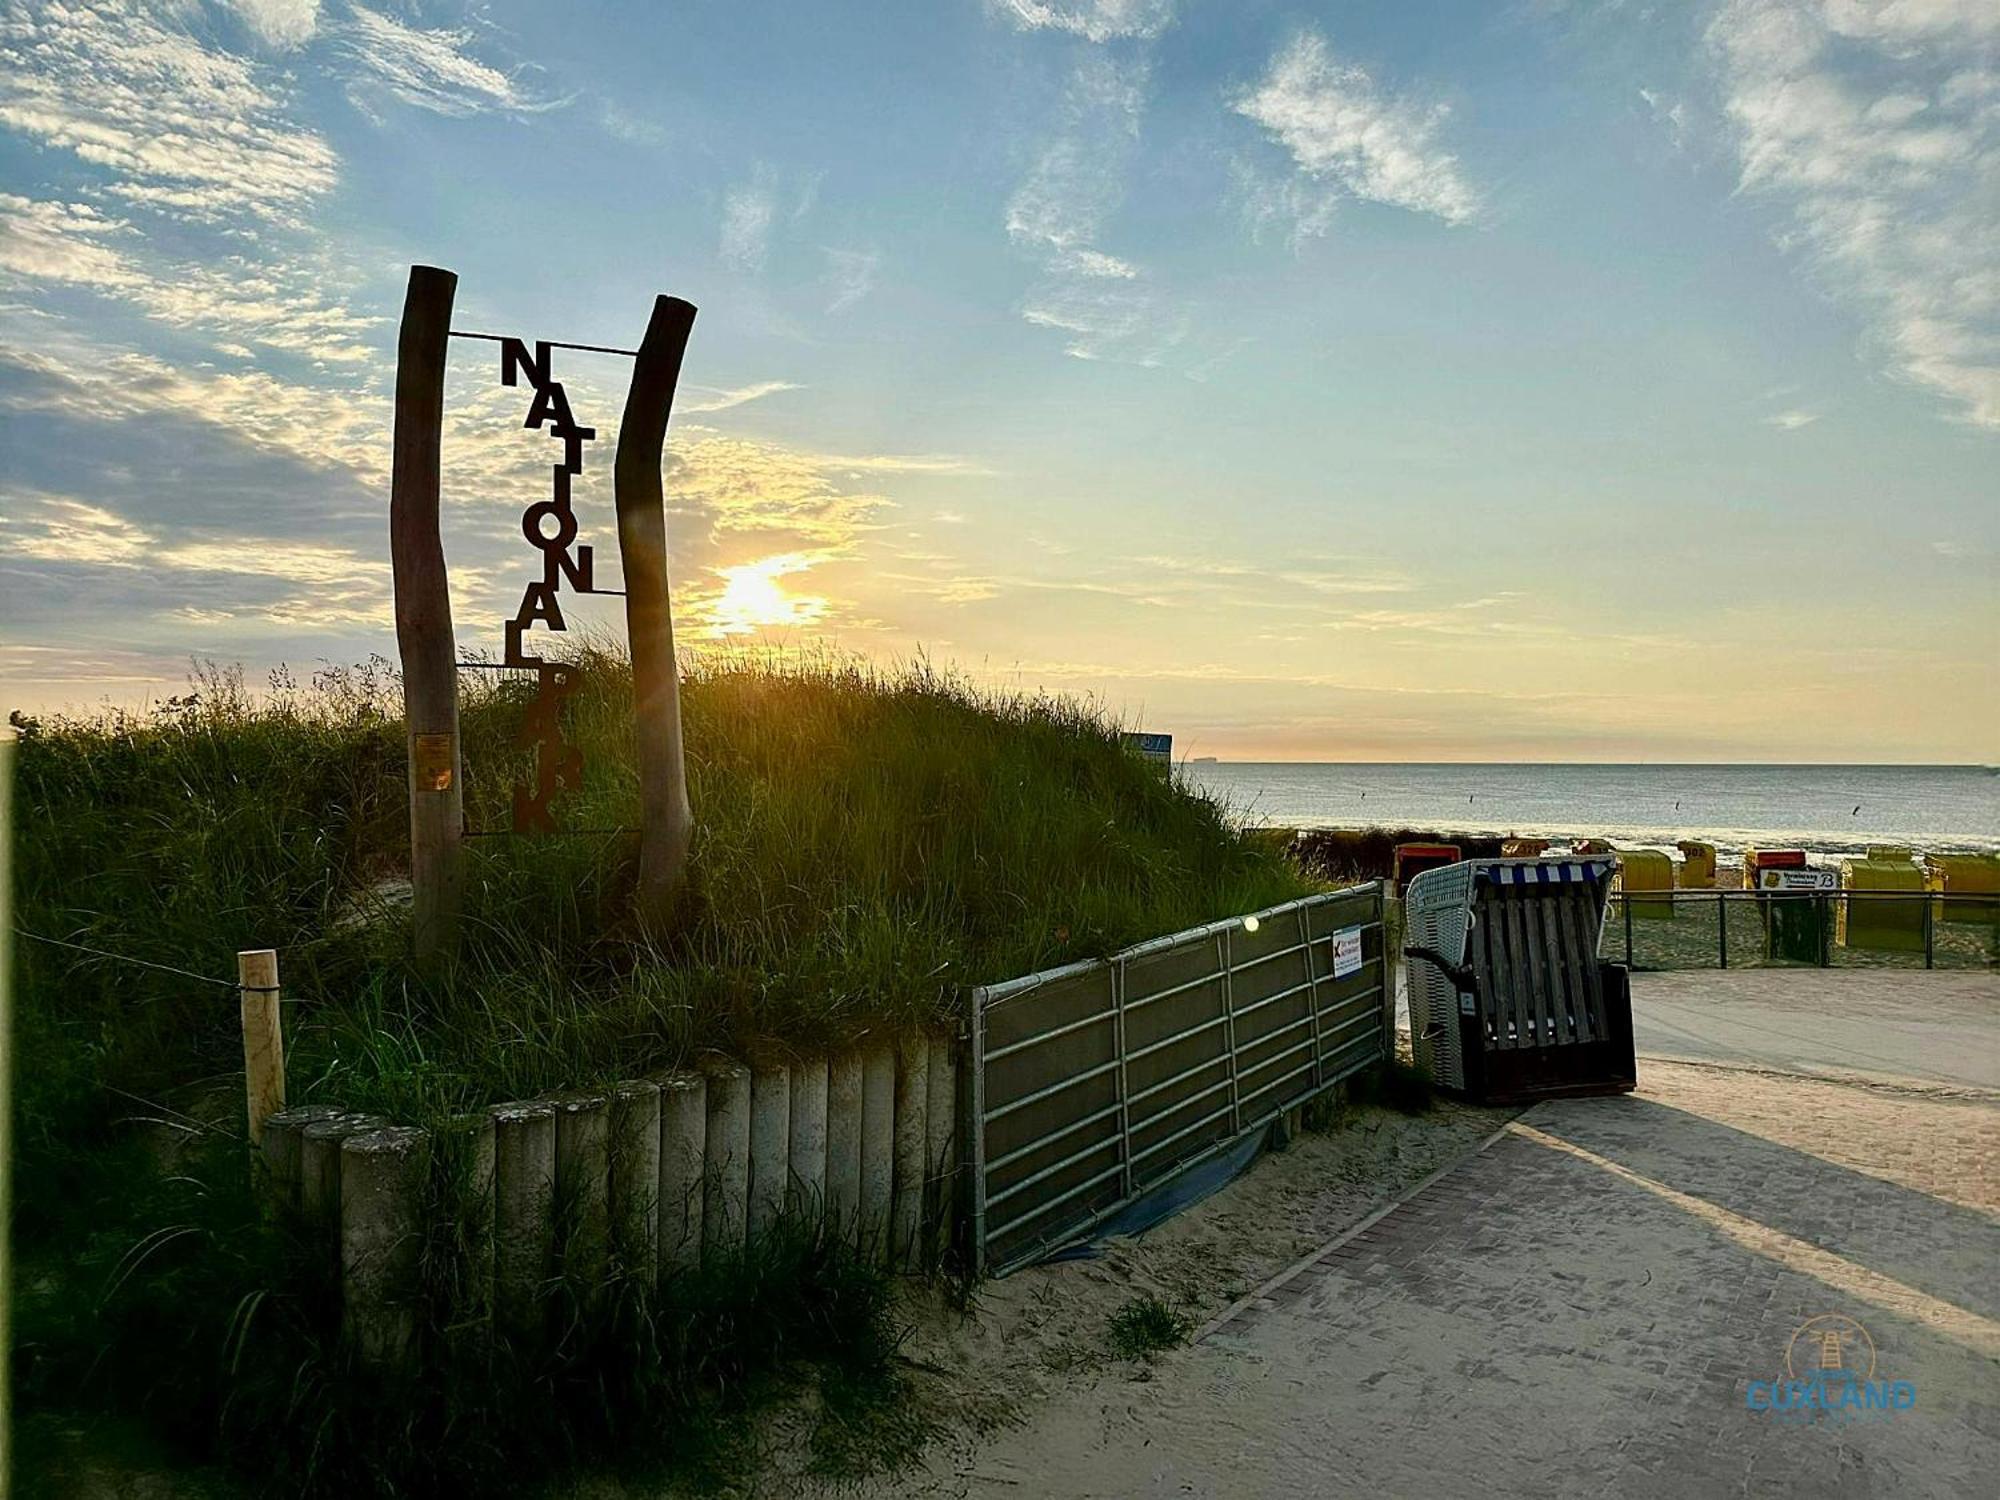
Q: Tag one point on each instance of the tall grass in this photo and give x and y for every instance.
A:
(868, 845)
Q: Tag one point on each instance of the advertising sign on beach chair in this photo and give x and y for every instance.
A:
(1508, 998)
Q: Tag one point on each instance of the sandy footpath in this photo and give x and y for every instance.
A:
(1036, 1344)
(1577, 1309)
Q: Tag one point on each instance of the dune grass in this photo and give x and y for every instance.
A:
(869, 844)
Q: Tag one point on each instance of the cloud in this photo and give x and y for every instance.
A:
(850, 276)
(752, 210)
(320, 428)
(61, 242)
(282, 23)
(172, 129)
(54, 528)
(1877, 129)
(1671, 112)
(723, 400)
(1105, 303)
(426, 69)
(728, 484)
(748, 210)
(1341, 128)
(277, 305)
(177, 126)
(1078, 179)
(902, 463)
(635, 130)
(334, 585)
(1093, 20)
(1298, 206)
(1792, 421)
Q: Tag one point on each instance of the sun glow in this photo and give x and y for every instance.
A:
(752, 598)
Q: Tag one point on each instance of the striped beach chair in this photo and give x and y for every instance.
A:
(1508, 998)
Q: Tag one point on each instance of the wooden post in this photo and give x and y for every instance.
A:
(423, 612)
(666, 822)
(382, 1174)
(263, 1037)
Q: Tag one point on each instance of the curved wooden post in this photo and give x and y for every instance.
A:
(666, 822)
(423, 612)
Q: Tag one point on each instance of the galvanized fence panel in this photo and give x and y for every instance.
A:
(1097, 1082)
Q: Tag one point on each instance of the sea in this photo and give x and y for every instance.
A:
(1825, 809)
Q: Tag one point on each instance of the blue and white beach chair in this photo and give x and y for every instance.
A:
(1508, 998)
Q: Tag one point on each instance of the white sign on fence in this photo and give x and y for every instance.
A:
(1797, 880)
(1346, 951)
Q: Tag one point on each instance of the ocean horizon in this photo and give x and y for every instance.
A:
(1828, 809)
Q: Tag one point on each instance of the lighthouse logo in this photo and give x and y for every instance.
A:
(1831, 1375)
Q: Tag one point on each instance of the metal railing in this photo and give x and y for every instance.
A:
(1696, 928)
(1095, 1083)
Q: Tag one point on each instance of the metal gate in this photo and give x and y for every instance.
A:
(1097, 1082)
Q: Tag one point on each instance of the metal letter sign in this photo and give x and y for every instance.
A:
(550, 526)
(427, 645)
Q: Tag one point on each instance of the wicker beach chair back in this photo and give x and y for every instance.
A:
(1508, 998)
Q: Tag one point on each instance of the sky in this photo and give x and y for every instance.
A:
(1311, 381)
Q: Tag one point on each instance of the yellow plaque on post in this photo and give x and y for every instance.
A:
(434, 762)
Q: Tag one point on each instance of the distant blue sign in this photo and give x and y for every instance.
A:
(1159, 747)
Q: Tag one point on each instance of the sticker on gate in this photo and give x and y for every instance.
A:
(1346, 951)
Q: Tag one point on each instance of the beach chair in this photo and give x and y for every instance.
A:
(1508, 998)
(1413, 859)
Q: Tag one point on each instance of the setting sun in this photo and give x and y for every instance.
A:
(752, 598)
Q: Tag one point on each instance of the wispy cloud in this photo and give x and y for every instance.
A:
(1104, 303)
(1094, 20)
(632, 128)
(1342, 129)
(742, 395)
(1792, 420)
(430, 70)
(903, 463)
(1673, 113)
(850, 276)
(754, 211)
(1288, 203)
(1878, 128)
(748, 210)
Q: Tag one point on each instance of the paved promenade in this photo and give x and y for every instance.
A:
(1581, 1308)
(1940, 1027)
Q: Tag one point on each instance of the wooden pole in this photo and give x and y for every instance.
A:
(666, 822)
(263, 1037)
(423, 613)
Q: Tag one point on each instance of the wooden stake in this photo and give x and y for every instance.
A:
(423, 613)
(666, 822)
(263, 1037)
